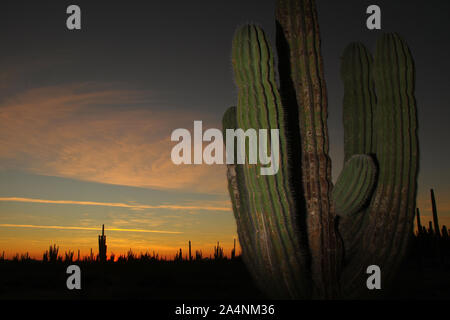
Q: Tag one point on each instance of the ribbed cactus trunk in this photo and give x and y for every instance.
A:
(359, 137)
(269, 203)
(300, 32)
(387, 130)
(302, 237)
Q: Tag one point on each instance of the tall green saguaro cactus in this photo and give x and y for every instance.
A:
(301, 236)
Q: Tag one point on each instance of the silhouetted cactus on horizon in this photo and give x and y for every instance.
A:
(68, 256)
(198, 255)
(179, 256)
(419, 223)
(233, 251)
(102, 245)
(218, 252)
(445, 234)
(190, 251)
(437, 230)
(51, 255)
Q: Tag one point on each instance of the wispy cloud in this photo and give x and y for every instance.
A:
(85, 228)
(102, 134)
(116, 204)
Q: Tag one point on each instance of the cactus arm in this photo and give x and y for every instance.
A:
(270, 201)
(242, 69)
(359, 100)
(239, 201)
(391, 211)
(354, 185)
(397, 148)
(359, 104)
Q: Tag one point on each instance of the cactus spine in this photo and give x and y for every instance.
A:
(287, 222)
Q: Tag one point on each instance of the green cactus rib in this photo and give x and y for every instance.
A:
(299, 23)
(271, 206)
(237, 191)
(354, 185)
(391, 211)
(358, 106)
(397, 145)
(359, 100)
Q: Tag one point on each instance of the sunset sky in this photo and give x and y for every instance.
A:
(86, 116)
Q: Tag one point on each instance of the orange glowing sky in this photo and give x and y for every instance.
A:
(86, 118)
(65, 132)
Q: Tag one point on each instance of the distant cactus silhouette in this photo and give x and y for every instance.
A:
(25, 257)
(218, 252)
(433, 243)
(302, 237)
(131, 256)
(51, 255)
(179, 256)
(68, 256)
(433, 226)
(419, 223)
(190, 252)
(233, 251)
(102, 245)
(445, 232)
(198, 255)
(437, 230)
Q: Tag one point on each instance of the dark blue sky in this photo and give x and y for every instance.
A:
(180, 50)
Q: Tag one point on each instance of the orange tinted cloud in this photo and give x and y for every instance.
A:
(97, 133)
(116, 204)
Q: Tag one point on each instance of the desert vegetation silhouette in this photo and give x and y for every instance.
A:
(193, 275)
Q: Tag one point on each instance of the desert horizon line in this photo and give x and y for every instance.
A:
(159, 254)
(184, 252)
